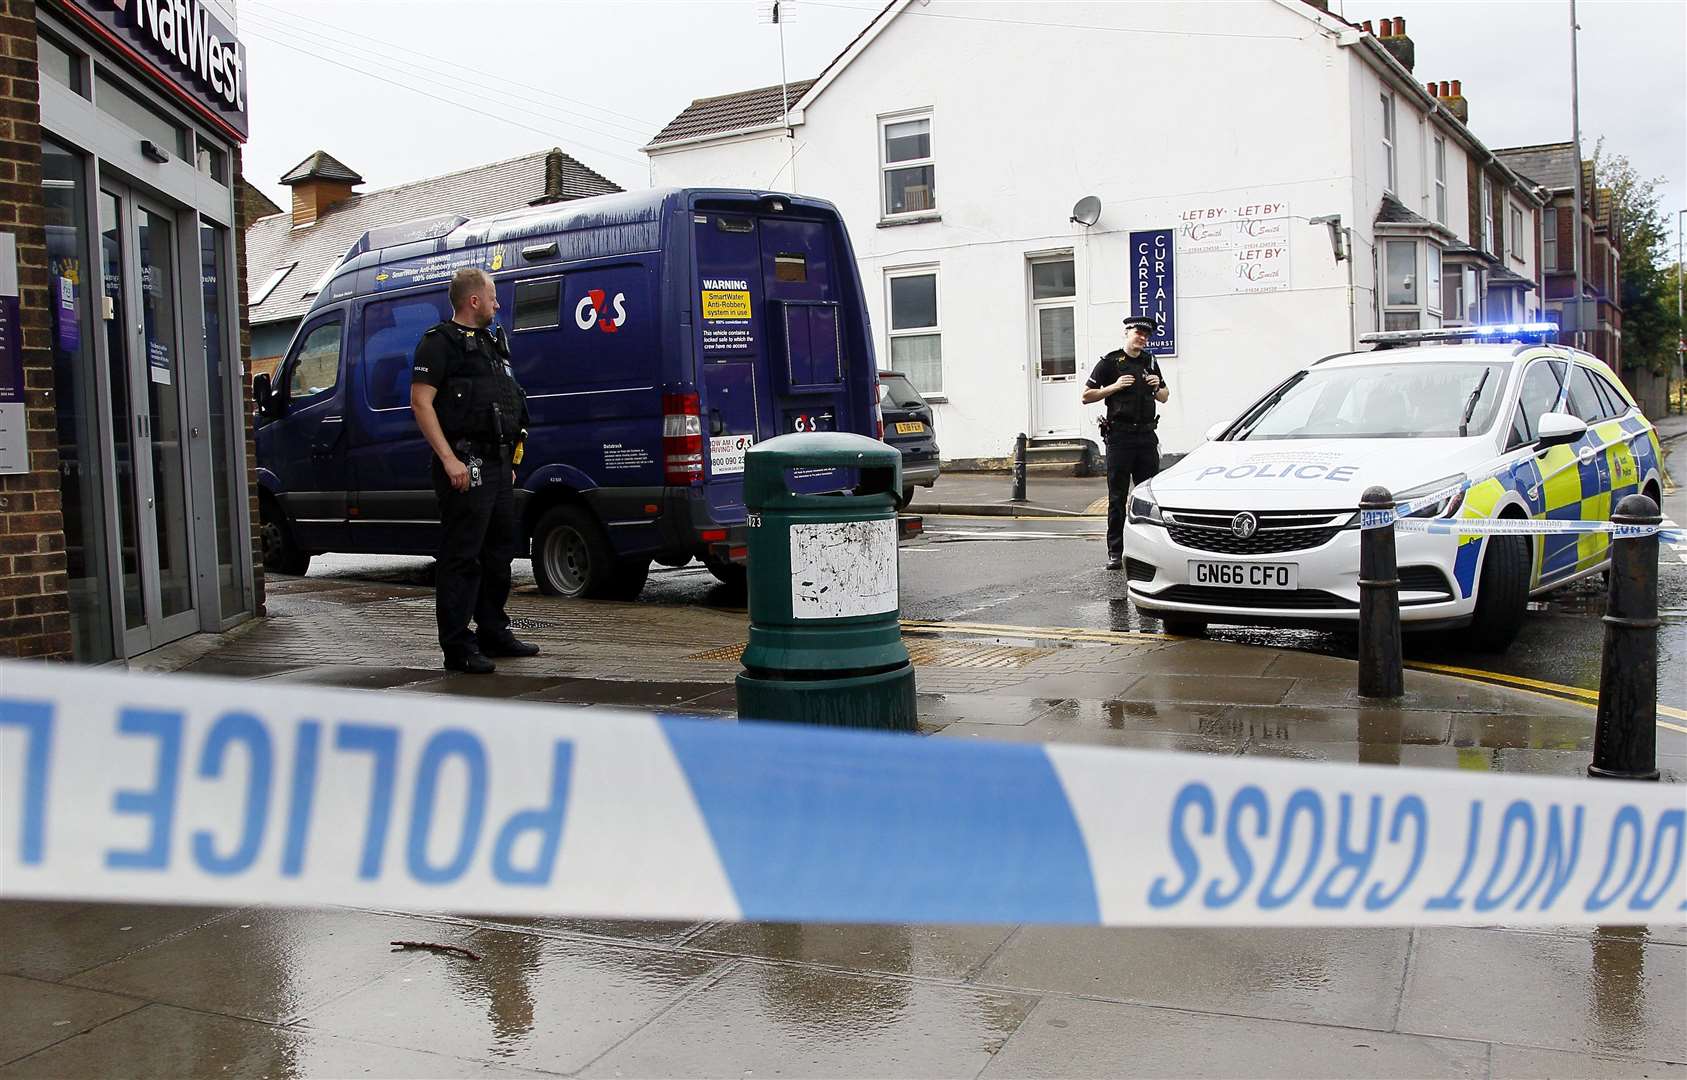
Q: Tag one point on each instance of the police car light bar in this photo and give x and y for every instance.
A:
(1523, 332)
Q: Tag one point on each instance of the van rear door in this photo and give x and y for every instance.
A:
(772, 342)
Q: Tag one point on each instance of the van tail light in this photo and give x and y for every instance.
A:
(682, 439)
(878, 422)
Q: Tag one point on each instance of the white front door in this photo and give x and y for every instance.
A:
(1057, 388)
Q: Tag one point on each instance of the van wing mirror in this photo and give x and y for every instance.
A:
(1558, 429)
(263, 393)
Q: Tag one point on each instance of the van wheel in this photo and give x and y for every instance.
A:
(1185, 627)
(1502, 595)
(572, 556)
(630, 576)
(281, 554)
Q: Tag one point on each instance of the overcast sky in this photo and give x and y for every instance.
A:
(392, 87)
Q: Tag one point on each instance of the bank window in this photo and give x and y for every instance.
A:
(916, 339)
(316, 366)
(1388, 159)
(1549, 238)
(538, 305)
(211, 160)
(62, 65)
(115, 100)
(906, 164)
(1054, 308)
(1515, 241)
(1441, 180)
(391, 331)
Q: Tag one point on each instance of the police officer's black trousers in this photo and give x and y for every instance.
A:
(1131, 458)
(479, 538)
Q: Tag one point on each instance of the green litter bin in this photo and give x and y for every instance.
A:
(825, 615)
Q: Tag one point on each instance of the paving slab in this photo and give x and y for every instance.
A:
(170, 1043)
(270, 965)
(1344, 977)
(499, 686)
(1621, 996)
(1511, 732)
(1304, 724)
(1195, 657)
(238, 669)
(942, 952)
(652, 931)
(49, 940)
(359, 676)
(1184, 718)
(1216, 689)
(533, 1002)
(1067, 1037)
(769, 1020)
(648, 695)
(1509, 1061)
(39, 1014)
(984, 708)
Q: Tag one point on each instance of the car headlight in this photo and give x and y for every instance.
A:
(1442, 507)
(1142, 508)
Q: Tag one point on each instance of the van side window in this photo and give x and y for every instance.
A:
(538, 304)
(1541, 387)
(391, 331)
(316, 366)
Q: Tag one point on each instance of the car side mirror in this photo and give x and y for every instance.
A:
(1559, 429)
(263, 394)
(1216, 430)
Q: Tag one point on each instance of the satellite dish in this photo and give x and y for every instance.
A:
(1088, 211)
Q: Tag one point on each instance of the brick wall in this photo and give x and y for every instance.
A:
(34, 590)
(243, 210)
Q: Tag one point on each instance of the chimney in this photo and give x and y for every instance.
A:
(555, 171)
(1399, 46)
(1452, 98)
(319, 183)
(1366, 26)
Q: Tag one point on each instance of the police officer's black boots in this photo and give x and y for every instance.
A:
(471, 663)
(508, 645)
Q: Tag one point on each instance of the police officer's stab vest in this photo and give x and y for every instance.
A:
(1134, 405)
(480, 399)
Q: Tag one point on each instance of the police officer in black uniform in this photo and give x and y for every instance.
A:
(473, 414)
(1129, 380)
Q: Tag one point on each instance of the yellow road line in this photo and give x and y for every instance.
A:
(1576, 694)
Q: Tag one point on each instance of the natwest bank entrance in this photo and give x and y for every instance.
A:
(131, 325)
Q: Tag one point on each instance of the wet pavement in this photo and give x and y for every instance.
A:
(95, 990)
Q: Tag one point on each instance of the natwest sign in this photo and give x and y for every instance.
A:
(184, 44)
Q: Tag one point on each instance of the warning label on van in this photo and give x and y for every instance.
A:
(726, 453)
(726, 304)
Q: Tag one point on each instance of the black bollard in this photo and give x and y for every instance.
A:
(1019, 467)
(1381, 667)
(1625, 741)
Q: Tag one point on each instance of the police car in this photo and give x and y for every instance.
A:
(1260, 524)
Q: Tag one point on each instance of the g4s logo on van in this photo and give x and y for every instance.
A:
(591, 311)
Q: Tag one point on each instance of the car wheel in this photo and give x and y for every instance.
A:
(1502, 594)
(907, 497)
(572, 556)
(281, 554)
(1185, 627)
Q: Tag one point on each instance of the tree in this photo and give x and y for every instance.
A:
(1645, 267)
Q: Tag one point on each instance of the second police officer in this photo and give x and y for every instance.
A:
(1130, 382)
(474, 416)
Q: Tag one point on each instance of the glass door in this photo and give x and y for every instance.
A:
(1058, 390)
(142, 310)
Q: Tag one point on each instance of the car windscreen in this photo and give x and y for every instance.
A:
(1380, 401)
(900, 392)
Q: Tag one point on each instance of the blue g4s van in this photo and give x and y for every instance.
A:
(658, 335)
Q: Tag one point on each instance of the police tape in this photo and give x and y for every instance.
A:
(117, 787)
(1667, 531)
